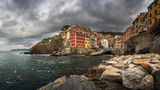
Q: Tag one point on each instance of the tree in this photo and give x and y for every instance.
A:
(65, 27)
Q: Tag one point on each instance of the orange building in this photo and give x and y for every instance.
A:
(128, 34)
(153, 13)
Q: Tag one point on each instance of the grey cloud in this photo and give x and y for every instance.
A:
(9, 23)
(32, 20)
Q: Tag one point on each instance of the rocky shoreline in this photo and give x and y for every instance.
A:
(130, 72)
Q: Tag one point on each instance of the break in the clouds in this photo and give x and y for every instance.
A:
(25, 22)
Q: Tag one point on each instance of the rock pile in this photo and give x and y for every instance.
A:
(131, 72)
(135, 71)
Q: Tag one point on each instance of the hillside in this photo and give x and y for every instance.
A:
(48, 45)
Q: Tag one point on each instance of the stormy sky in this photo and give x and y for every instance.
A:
(23, 23)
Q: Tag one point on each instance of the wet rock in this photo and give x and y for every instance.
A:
(147, 83)
(132, 77)
(111, 73)
(74, 82)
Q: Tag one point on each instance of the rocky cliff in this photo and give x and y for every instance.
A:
(55, 47)
(142, 43)
(48, 45)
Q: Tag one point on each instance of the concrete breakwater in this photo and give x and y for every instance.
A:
(139, 71)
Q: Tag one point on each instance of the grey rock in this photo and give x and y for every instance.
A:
(156, 76)
(102, 67)
(111, 73)
(147, 83)
(74, 82)
(132, 77)
(154, 61)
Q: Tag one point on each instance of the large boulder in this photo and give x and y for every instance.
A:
(109, 85)
(111, 73)
(132, 77)
(156, 75)
(74, 82)
(147, 83)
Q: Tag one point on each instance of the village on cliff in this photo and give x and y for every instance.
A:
(140, 37)
(140, 71)
(76, 36)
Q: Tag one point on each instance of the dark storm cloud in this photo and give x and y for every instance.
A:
(24, 22)
(117, 14)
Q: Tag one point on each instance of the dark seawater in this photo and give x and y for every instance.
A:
(26, 72)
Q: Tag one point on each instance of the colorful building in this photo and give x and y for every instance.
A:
(87, 42)
(118, 44)
(104, 43)
(139, 23)
(153, 13)
(76, 36)
(128, 34)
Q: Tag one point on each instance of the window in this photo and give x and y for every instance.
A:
(150, 15)
(155, 11)
(150, 22)
(136, 26)
(155, 3)
(150, 7)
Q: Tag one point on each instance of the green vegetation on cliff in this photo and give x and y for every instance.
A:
(48, 45)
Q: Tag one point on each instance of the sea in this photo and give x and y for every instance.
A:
(30, 72)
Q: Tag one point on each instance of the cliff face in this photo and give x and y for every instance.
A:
(142, 43)
(48, 45)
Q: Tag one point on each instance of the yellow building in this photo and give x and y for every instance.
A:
(138, 22)
(87, 42)
(153, 13)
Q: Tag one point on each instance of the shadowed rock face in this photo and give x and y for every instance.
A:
(156, 75)
(142, 44)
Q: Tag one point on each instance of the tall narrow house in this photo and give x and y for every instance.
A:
(140, 23)
(153, 13)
